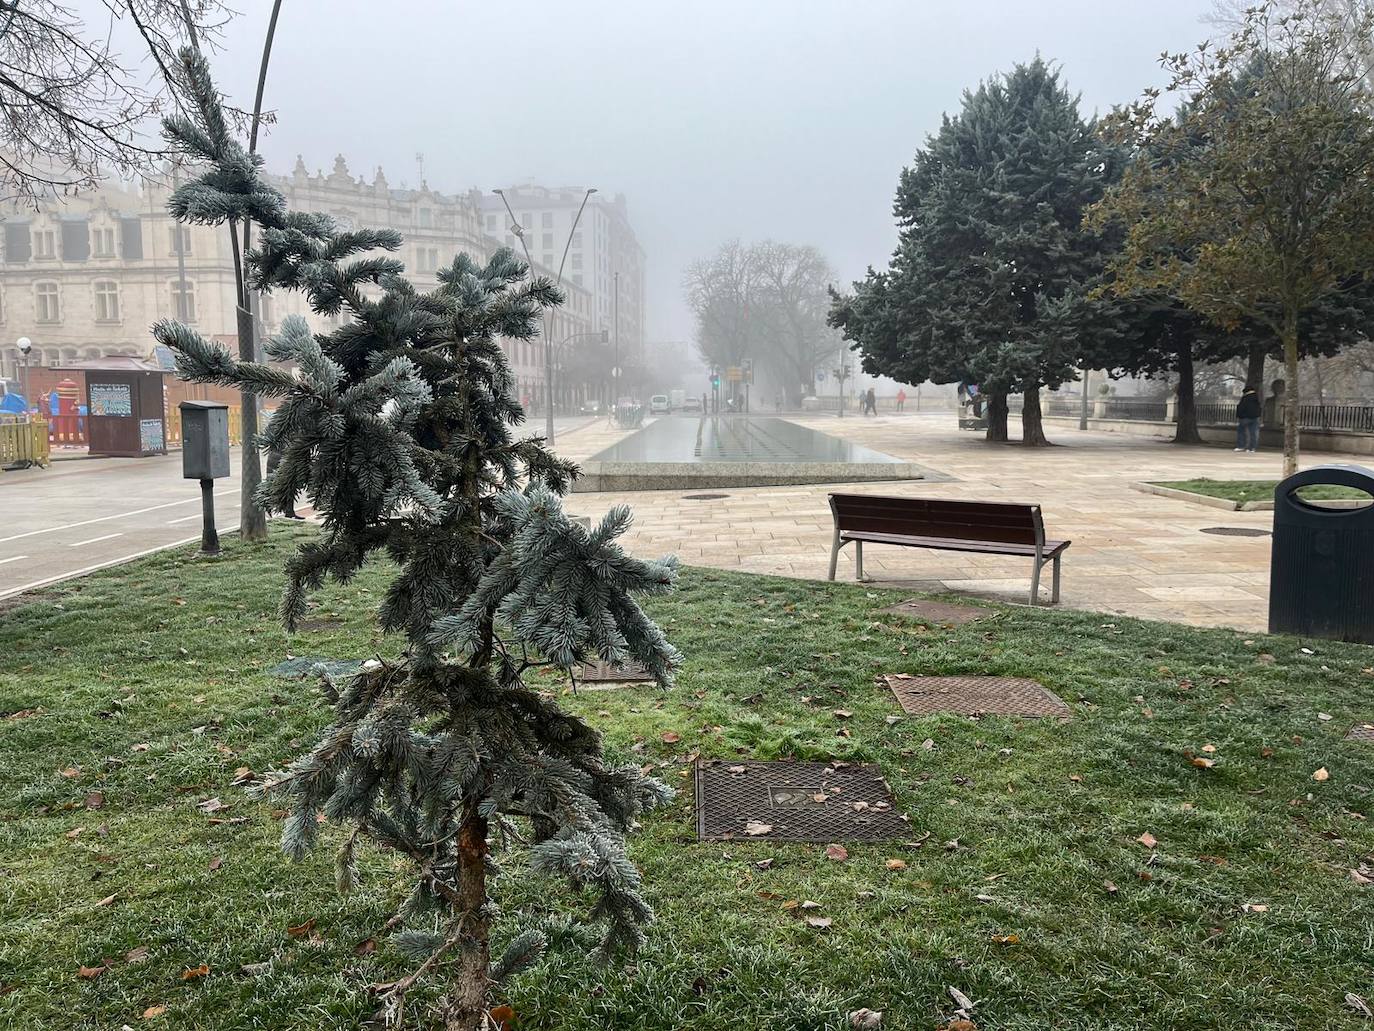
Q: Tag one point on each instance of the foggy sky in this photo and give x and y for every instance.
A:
(783, 119)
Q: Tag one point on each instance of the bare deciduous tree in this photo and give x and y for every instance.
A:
(73, 110)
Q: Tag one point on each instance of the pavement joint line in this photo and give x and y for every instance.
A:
(106, 519)
(74, 573)
(12, 558)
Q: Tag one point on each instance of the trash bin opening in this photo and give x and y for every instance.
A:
(1331, 497)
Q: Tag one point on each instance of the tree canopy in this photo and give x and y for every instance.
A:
(1257, 206)
(992, 247)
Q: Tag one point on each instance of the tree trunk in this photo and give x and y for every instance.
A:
(1290, 396)
(1032, 425)
(1254, 369)
(465, 1007)
(1186, 432)
(997, 415)
(252, 519)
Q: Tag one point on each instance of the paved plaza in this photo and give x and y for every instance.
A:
(1133, 553)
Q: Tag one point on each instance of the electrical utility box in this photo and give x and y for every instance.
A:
(204, 440)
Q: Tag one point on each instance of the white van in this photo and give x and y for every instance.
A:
(658, 405)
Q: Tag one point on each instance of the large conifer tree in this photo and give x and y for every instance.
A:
(991, 245)
(398, 428)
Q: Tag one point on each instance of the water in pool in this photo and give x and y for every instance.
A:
(735, 438)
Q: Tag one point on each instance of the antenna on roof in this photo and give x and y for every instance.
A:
(420, 168)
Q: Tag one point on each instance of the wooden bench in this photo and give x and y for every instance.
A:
(981, 527)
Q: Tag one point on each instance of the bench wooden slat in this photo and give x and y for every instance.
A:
(938, 543)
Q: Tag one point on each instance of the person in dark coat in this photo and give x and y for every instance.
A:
(1248, 421)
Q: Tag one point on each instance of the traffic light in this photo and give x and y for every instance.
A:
(747, 368)
(715, 379)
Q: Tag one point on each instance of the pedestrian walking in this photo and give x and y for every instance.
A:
(871, 402)
(1248, 421)
(901, 399)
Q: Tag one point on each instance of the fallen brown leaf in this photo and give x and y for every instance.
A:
(896, 864)
(366, 947)
(836, 852)
(866, 1019)
(671, 737)
(754, 828)
(95, 800)
(91, 973)
(137, 954)
(152, 1012)
(819, 923)
(1148, 840)
(193, 972)
(1321, 774)
(301, 930)
(215, 863)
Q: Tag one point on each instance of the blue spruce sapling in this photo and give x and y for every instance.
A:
(398, 428)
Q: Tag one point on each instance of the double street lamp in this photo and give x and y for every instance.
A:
(519, 232)
(25, 346)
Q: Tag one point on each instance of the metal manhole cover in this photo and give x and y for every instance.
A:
(1235, 531)
(940, 612)
(305, 626)
(627, 672)
(974, 696)
(1361, 732)
(794, 801)
(704, 497)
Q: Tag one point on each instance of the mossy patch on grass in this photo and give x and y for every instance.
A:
(148, 685)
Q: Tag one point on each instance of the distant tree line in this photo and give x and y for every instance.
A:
(767, 303)
(1226, 217)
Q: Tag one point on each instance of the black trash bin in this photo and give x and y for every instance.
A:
(1321, 573)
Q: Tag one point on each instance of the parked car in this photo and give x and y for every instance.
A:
(692, 406)
(592, 407)
(658, 405)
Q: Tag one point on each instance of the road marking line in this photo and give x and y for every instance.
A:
(185, 519)
(73, 574)
(95, 540)
(121, 515)
(16, 558)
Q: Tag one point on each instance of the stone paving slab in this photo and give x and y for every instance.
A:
(1134, 554)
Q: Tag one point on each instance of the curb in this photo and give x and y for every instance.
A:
(1196, 499)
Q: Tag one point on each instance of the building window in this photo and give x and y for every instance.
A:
(577, 278)
(184, 302)
(178, 232)
(577, 238)
(45, 304)
(106, 300)
(493, 223)
(103, 242)
(548, 241)
(426, 218)
(44, 243)
(576, 260)
(548, 261)
(547, 220)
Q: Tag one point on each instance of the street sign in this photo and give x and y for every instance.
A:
(615, 372)
(734, 373)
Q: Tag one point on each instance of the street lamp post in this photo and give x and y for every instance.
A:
(25, 346)
(519, 231)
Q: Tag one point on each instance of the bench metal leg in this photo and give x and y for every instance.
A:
(834, 553)
(1035, 582)
(858, 560)
(1054, 596)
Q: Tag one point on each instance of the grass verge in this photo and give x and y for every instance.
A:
(1241, 491)
(131, 698)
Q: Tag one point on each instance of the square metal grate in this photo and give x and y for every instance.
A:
(794, 801)
(941, 613)
(975, 696)
(627, 672)
(1361, 732)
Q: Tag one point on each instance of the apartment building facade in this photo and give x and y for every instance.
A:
(89, 276)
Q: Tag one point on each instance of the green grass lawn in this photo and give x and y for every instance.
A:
(1261, 490)
(130, 698)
